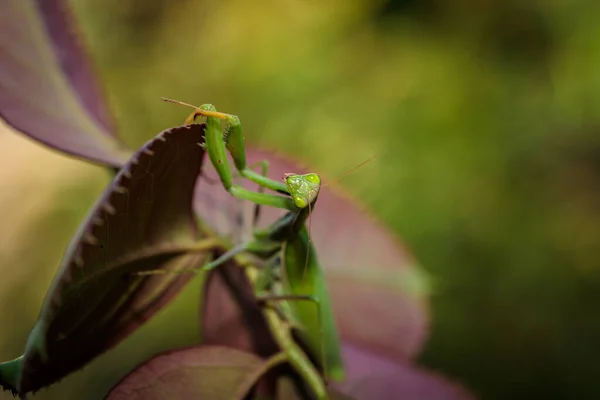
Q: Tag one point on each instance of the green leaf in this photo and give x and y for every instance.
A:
(143, 221)
(203, 372)
(49, 90)
(9, 374)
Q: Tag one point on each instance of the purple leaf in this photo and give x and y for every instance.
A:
(368, 375)
(375, 377)
(143, 221)
(48, 89)
(369, 272)
(66, 41)
(231, 315)
(204, 372)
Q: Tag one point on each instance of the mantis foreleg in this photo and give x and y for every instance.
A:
(264, 164)
(218, 143)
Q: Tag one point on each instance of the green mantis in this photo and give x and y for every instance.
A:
(291, 269)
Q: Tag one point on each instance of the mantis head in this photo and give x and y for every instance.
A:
(304, 189)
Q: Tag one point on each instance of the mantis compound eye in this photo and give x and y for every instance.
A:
(313, 178)
(300, 202)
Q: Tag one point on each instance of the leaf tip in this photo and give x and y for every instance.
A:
(10, 371)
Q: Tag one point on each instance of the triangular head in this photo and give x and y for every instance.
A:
(304, 189)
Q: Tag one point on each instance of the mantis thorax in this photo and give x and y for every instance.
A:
(303, 189)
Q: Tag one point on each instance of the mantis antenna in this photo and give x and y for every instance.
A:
(350, 171)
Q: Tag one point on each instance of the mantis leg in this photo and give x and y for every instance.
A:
(194, 270)
(260, 248)
(294, 353)
(218, 143)
(264, 164)
(296, 356)
(263, 288)
(266, 298)
(226, 257)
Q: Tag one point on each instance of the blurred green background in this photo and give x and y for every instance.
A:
(484, 114)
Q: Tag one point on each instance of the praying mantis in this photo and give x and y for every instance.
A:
(291, 272)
